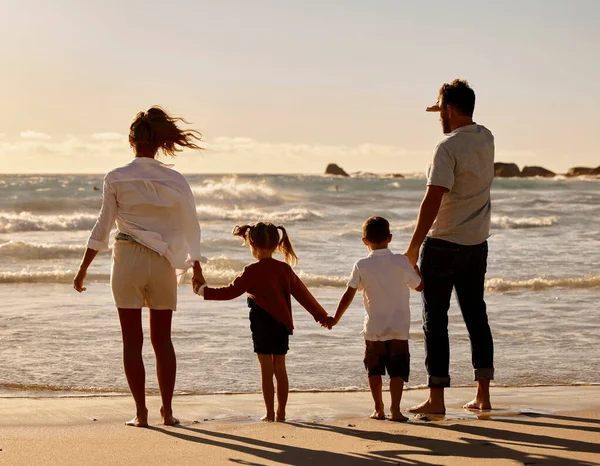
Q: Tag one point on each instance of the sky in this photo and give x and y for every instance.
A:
(280, 86)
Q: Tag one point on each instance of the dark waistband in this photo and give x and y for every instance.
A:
(442, 243)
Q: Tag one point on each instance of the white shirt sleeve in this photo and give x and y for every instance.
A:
(191, 228)
(98, 239)
(354, 280)
(441, 170)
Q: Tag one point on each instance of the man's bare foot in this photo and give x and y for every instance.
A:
(479, 404)
(141, 420)
(280, 417)
(427, 407)
(268, 418)
(168, 418)
(379, 415)
(397, 416)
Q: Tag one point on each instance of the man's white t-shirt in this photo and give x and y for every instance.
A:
(385, 278)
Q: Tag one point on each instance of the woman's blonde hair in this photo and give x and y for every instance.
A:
(155, 129)
(266, 236)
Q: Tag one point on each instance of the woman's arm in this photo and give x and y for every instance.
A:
(98, 239)
(88, 257)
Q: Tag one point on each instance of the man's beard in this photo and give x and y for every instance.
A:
(445, 125)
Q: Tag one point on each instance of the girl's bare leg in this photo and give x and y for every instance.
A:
(133, 340)
(166, 361)
(268, 389)
(283, 387)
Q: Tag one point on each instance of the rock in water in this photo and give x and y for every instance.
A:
(506, 170)
(577, 171)
(596, 171)
(537, 171)
(334, 169)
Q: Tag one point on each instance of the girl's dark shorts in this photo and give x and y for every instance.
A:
(392, 355)
(268, 335)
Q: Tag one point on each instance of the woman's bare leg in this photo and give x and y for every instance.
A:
(268, 389)
(282, 386)
(166, 361)
(133, 340)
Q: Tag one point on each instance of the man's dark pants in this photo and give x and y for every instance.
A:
(446, 266)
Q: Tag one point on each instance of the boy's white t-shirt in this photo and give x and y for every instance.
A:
(384, 278)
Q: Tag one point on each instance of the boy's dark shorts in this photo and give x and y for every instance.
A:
(268, 335)
(392, 355)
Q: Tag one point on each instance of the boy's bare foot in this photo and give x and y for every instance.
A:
(427, 407)
(141, 420)
(280, 417)
(268, 418)
(479, 404)
(379, 415)
(168, 418)
(397, 416)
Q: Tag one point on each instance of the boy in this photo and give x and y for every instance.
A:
(384, 278)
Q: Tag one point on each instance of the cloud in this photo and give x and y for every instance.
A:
(35, 136)
(108, 136)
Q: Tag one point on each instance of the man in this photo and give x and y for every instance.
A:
(453, 225)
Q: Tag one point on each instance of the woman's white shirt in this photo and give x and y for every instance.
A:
(154, 204)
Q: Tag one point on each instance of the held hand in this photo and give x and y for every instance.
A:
(78, 281)
(413, 256)
(197, 280)
(328, 322)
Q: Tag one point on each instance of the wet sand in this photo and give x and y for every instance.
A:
(535, 425)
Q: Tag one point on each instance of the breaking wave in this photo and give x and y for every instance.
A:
(26, 221)
(230, 191)
(509, 223)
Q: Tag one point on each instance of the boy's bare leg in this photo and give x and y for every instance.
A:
(482, 396)
(268, 389)
(166, 361)
(133, 364)
(283, 387)
(435, 404)
(396, 388)
(375, 385)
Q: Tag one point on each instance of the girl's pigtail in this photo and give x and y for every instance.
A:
(242, 232)
(285, 246)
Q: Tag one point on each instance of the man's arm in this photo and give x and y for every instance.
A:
(427, 214)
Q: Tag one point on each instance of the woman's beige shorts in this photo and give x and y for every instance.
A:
(141, 277)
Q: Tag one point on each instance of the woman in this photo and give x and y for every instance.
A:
(158, 237)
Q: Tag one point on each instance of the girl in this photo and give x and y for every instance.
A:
(158, 232)
(269, 284)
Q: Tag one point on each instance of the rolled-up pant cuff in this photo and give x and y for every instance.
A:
(484, 374)
(438, 382)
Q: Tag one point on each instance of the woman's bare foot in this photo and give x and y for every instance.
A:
(397, 416)
(280, 417)
(269, 417)
(479, 404)
(428, 407)
(141, 420)
(379, 415)
(167, 418)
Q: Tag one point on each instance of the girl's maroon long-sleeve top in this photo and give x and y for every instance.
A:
(270, 283)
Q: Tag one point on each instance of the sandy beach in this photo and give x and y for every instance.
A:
(537, 425)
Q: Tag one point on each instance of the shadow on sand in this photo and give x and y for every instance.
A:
(392, 448)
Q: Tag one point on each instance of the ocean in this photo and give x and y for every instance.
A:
(542, 289)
